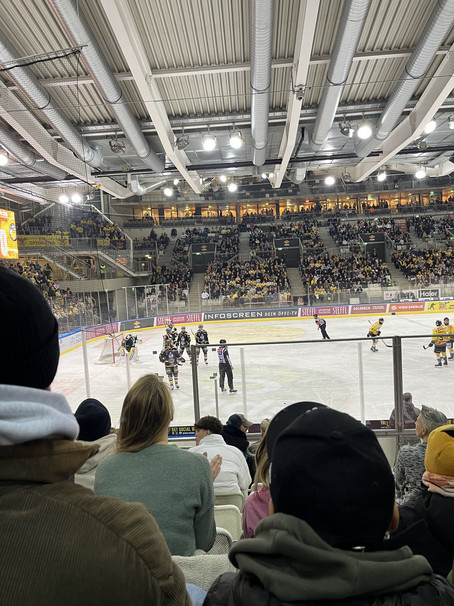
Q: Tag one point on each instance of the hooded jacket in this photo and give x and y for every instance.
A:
(287, 562)
(61, 544)
(86, 474)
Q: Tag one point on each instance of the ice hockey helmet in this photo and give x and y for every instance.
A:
(444, 320)
(438, 323)
(200, 325)
(381, 320)
(168, 330)
(222, 341)
(170, 325)
(183, 329)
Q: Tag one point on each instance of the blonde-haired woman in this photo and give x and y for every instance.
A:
(175, 485)
(256, 505)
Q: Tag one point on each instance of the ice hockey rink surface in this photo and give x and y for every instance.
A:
(281, 372)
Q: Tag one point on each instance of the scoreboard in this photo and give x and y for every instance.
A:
(8, 237)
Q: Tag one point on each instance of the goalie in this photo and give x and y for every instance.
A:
(375, 331)
(129, 347)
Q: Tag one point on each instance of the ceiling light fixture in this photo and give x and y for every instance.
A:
(76, 198)
(168, 191)
(420, 173)
(430, 127)
(3, 160)
(117, 147)
(330, 180)
(451, 123)
(63, 199)
(232, 187)
(223, 179)
(208, 141)
(236, 139)
(381, 175)
(176, 181)
(181, 142)
(346, 129)
(364, 130)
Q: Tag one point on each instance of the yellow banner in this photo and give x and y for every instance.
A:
(35, 241)
(8, 238)
(440, 305)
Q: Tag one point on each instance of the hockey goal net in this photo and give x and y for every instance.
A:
(110, 350)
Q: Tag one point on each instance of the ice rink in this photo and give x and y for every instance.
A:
(280, 372)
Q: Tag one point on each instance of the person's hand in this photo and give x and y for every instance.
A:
(215, 465)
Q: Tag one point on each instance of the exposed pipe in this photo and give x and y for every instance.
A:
(261, 49)
(80, 34)
(39, 97)
(437, 27)
(27, 157)
(140, 190)
(350, 28)
(297, 173)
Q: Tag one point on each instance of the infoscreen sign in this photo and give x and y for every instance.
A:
(8, 236)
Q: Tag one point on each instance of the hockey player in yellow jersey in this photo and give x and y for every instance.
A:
(375, 331)
(449, 329)
(438, 342)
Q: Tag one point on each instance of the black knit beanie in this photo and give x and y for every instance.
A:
(29, 357)
(94, 420)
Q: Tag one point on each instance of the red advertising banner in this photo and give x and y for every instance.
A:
(103, 329)
(329, 310)
(405, 307)
(179, 319)
(369, 309)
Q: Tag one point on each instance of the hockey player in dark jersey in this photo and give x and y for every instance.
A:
(169, 337)
(321, 323)
(184, 341)
(201, 338)
(225, 366)
(170, 357)
(173, 331)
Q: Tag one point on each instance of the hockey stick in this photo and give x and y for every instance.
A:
(381, 338)
(425, 346)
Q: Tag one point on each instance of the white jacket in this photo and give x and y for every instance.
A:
(234, 475)
(86, 474)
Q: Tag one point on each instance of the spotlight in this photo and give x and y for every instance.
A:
(232, 187)
(76, 198)
(420, 173)
(3, 160)
(364, 130)
(236, 139)
(430, 127)
(422, 145)
(208, 142)
(168, 191)
(330, 180)
(63, 199)
(117, 147)
(346, 129)
(181, 142)
(223, 179)
(381, 175)
(264, 176)
(176, 181)
(271, 175)
(451, 123)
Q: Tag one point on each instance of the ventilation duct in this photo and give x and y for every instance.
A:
(27, 157)
(437, 27)
(261, 47)
(297, 173)
(351, 25)
(80, 34)
(38, 96)
(141, 190)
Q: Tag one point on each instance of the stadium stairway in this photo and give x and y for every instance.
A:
(244, 246)
(197, 284)
(327, 240)
(296, 285)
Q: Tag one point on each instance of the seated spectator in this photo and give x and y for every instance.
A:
(234, 433)
(332, 501)
(426, 522)
(61, 543)
(234, 476)
(175, 486)
(409, 466)
(94, 427)
(257, 503)
(410, 412)
(252, 448)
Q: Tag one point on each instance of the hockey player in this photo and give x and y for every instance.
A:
(438, 342)
(184, 341)
(375, 331)
(130, 346)
(201, 338)
(170, 356)
(321, 323)
(225, 366)
(449, 328)
(168, 337)
(173, 331)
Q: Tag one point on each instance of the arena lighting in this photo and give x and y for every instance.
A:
(381, 175)
(420, 173)
(208, 142)
(330, 180)
(430, 127)
(176, 181)
(63, 199)
(168, 191)
(451, 122)
(346, 129)
(232, 187)
(223, 179)
(364, 130)
(236, 139)
(3, 159)
(76, 198)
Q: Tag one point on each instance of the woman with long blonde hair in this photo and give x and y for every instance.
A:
(175, 485)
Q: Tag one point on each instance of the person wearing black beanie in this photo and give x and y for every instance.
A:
(54, 532)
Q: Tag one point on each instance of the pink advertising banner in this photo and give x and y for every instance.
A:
(179, 319)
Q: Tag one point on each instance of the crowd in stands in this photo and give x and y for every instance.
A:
(256, 280)
(343, 232)
(324, 275)
(229, 242)
(426, 266)
(429, 227)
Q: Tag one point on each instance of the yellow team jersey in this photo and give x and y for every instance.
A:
(375, 328)
(449, 329)
(438, 340)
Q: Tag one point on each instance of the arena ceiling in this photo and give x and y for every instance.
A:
(122, 94)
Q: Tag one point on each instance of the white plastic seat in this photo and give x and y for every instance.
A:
(229, 517)
(236, 498)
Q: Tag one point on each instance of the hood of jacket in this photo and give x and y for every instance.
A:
(294, 564)
(106, 445)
